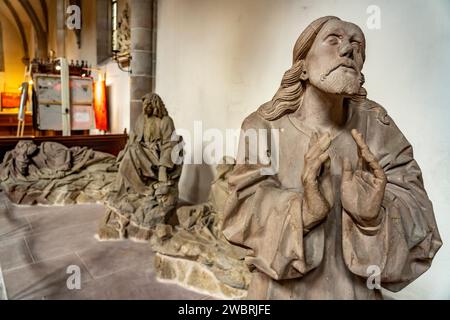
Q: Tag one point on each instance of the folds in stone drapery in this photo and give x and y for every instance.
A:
(139, 200)
(54, 174)
(266, 218)
(405, 243)
(196, 255)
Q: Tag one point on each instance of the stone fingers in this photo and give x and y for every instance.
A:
(347, 171)
(312, 167)
(367, 156)
(317, 146)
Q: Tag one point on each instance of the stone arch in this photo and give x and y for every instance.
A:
(20, 27)
(40, 31)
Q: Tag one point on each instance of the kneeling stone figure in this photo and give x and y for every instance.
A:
(347, 196)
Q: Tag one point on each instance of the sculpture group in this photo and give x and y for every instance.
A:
(347, 196)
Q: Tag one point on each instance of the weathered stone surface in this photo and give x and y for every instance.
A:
(145, 191)
(141, 63)
(54, 174)
(194, 276)
(196, 255)
(143, 39)
(140, 13)
(139, 85)
(344, 196)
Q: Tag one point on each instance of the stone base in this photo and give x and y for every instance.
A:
(194, 276)
(126, 230)
(27, 194)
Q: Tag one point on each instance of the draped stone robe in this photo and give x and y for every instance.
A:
(332, 260)
(149, 147)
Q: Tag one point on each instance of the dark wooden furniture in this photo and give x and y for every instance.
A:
(8, 124)
(110, 143)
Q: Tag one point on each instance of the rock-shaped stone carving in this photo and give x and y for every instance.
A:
(145, 191)
(195, 254)
(54, 174)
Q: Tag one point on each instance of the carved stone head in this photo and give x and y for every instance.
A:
(329, 54)
(152, 105)
(336, 58)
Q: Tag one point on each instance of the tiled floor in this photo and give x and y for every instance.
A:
(38, 244)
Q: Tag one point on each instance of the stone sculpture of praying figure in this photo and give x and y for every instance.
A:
(146, 188)
(347, 198)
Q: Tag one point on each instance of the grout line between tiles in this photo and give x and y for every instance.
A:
(29, 224)
(84, 265)
(29, 250)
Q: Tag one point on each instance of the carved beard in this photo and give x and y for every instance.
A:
(149, 111)
(342, 81)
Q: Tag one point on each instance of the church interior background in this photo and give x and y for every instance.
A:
(212, 63)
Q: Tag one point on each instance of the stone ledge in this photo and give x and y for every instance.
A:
(194, 276)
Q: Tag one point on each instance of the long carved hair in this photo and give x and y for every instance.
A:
(156, 101)
(289, 95)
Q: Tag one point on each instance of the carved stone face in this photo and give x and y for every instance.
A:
(148, 107)
(335, 60)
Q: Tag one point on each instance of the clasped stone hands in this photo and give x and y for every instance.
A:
(362, 190)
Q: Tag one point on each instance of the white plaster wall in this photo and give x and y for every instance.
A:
(118, 93)
(218, 60)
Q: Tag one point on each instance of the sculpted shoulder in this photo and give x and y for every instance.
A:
(374, 110)
(383, 136)
(256, 121)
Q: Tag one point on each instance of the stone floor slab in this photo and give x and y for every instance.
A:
(128, 285)
(61, 241)
(14, 253)
(39, 243)
(11, 227)
(104, 258)
(47, 221)
(39, 280)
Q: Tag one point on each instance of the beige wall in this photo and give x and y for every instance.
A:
(13, 76)
(51, 7)
(217, 61)
(118, 84)
(118, 88)
(88, 49)
(15, 69)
